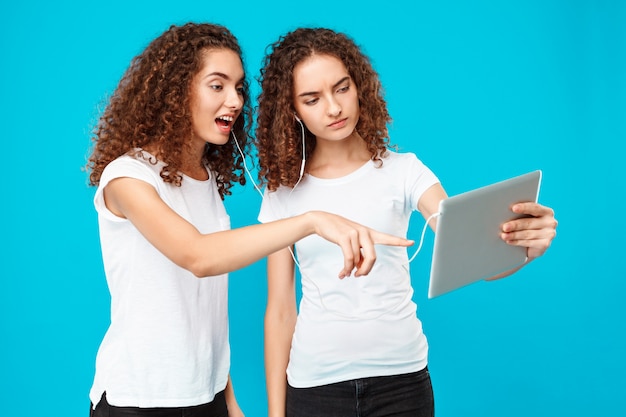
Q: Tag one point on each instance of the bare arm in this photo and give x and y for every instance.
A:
(280, 322)
(429, 203)
(217, 253)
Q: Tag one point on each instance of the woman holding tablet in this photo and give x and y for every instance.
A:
(356, 346)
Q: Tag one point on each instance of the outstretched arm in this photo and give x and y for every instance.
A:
(221, 252)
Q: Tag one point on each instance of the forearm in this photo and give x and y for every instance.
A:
(230, 250)
(278, 335)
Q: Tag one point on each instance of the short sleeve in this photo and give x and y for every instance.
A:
(123, 167)
(419, 179)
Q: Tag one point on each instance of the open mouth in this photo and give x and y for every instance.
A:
(224, 123)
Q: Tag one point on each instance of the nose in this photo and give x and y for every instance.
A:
(334, 109)
(234, 100)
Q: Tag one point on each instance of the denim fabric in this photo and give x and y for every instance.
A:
(216, 408)
(406, 395)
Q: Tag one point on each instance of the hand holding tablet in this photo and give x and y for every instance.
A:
(468, 246)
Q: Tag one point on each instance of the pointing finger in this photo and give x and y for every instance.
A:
(381, 238)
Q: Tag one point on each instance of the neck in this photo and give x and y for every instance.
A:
(191, 161)
(332, 159)
(192, 164)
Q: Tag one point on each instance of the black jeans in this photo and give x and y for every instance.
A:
(406, 395)
(216, 408)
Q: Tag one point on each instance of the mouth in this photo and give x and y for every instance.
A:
(339, 123)
(225, 123)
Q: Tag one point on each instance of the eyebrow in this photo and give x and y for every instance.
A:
(224, 76)
(337, 84)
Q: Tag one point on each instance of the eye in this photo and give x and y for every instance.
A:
(216, 87)
(240, 90)
(343, 89)
(311, 102)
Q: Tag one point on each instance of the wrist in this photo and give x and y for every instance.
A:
(273, 412)
(310, 222)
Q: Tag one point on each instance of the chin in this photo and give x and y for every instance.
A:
(218, 140)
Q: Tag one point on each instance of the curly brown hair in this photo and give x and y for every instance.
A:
(150, 106)
(278, 135)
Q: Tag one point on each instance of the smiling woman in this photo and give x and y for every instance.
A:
(217, 90)
(163, 162)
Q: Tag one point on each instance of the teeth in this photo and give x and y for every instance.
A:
(226, 118)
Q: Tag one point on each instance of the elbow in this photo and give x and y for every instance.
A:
(201, 267)
(205, 271)
(199, 258)
(198, 273)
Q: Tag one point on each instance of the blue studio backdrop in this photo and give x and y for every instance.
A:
(480, 90)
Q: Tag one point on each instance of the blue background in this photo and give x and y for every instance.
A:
(480, 90)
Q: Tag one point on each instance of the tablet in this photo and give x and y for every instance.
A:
(467, 246)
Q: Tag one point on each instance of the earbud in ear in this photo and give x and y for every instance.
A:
(297, 118)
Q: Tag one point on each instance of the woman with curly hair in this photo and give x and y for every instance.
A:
(356, 346)
(163, 160)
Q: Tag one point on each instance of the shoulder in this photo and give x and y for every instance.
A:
(140, 165)
(400, 158)
(408, 165)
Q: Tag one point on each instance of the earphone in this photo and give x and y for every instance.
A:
(245, 165)
(303, 152)
(296, 263)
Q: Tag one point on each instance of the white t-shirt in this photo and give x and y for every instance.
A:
(355, 327)
(167, 344)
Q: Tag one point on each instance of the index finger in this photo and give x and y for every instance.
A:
(532, 209)
(380, 238)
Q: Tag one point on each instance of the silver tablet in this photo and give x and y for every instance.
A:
(467, 246)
